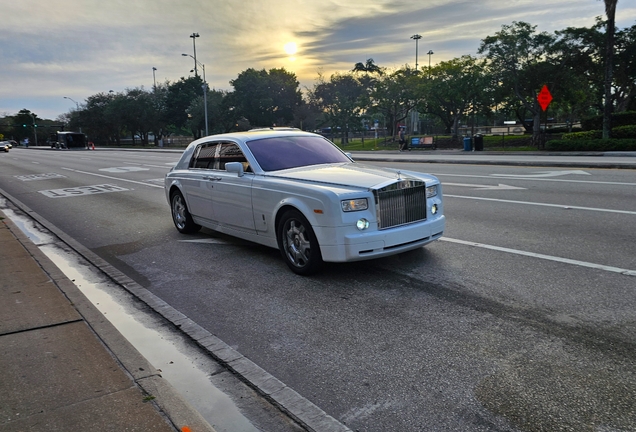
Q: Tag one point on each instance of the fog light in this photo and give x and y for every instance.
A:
(434, 209)
(362, 224)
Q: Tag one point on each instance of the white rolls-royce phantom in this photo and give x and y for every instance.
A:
(299, 193)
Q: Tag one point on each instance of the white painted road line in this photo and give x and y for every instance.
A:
(622, 271)
(484, 186)
(561, 206)
(114, 178)
(545, 174)
(534, 179)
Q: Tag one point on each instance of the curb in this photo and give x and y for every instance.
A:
(168, 402)
(300, 409)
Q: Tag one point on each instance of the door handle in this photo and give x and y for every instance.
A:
(212, 178)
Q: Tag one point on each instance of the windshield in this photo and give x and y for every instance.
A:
(280, 153)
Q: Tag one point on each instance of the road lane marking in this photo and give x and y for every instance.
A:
(124, 169)
(619, 270)
(484, 187)
(561, 206)
(34, 177)
(535, 179)
(544, 174)
(82, 190)
(204, 240)
(113, 178)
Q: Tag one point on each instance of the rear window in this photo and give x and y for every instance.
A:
(281, 153)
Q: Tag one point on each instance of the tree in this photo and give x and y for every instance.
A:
(624, 73)
(339, 99)
(24, 125)
(266, 98)
(221, 115)
(610, 11)
(519, 60)
(395, 95)
(454, 88)
(178, 99)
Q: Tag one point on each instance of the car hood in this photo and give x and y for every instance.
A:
(349, 174)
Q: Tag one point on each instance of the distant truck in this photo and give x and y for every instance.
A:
(67, 140)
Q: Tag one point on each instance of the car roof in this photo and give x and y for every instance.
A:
(260, 134)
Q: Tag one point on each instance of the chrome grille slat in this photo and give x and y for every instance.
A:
(401, 203)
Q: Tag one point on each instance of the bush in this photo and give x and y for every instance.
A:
(587, 135)
(613, 144)
(618, 119)
(621, 132)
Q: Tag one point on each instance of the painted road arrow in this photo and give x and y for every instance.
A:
(483, 187)
(544, 174)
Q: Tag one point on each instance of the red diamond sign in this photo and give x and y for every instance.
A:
(544, 98)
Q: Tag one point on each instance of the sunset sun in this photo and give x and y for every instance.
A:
(291, 48)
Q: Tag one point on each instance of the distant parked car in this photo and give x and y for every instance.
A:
(298, 192)
(9, 144)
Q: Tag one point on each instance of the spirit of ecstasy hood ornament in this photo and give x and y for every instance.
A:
(398, 175)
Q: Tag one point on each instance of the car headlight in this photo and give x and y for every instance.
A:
(354, 205)
(431, 191)
(362, 224)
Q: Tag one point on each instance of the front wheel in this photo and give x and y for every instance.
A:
(181, 216)
(298, 244)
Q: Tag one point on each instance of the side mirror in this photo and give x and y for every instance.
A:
(235, 167)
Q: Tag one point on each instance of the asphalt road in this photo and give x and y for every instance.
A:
(522, 318)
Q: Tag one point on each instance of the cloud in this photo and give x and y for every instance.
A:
(78, 48)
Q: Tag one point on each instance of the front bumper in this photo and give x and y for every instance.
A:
(362, 245)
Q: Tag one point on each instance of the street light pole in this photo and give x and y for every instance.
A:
(154, 81)
(430, 53)
(204, 87)
(77, 106)
(35, 129)
(417, 38)
(194, 47)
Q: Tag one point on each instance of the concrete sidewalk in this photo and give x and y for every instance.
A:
(63, 366)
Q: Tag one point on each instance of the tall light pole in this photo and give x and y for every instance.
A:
(430, 53)
(77, 106)
(35, 129)
(417, 38)
(154, 81)
(194, 37)
(204, 87)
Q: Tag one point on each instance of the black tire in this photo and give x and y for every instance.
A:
(181, 216)
(298, 244)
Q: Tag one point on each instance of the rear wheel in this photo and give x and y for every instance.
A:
(181, 216)
(298, 244)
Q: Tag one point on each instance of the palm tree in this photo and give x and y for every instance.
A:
(610, 11)
(369, 67)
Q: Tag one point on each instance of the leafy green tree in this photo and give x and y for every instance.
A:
(266, 98)
(97, 117)
(222, 116)
(396, 94)
(178, 98)
(610, 11)
(139, 113)
(339, 99)
(24, 125)
(624, 73)
(456, 88)
(519, 60)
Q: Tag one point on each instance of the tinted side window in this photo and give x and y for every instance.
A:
(230, 152)
(204, 156)
(216, 155)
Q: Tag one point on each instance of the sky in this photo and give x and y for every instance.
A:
(56, 53)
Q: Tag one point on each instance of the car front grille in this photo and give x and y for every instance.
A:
(401, 203)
